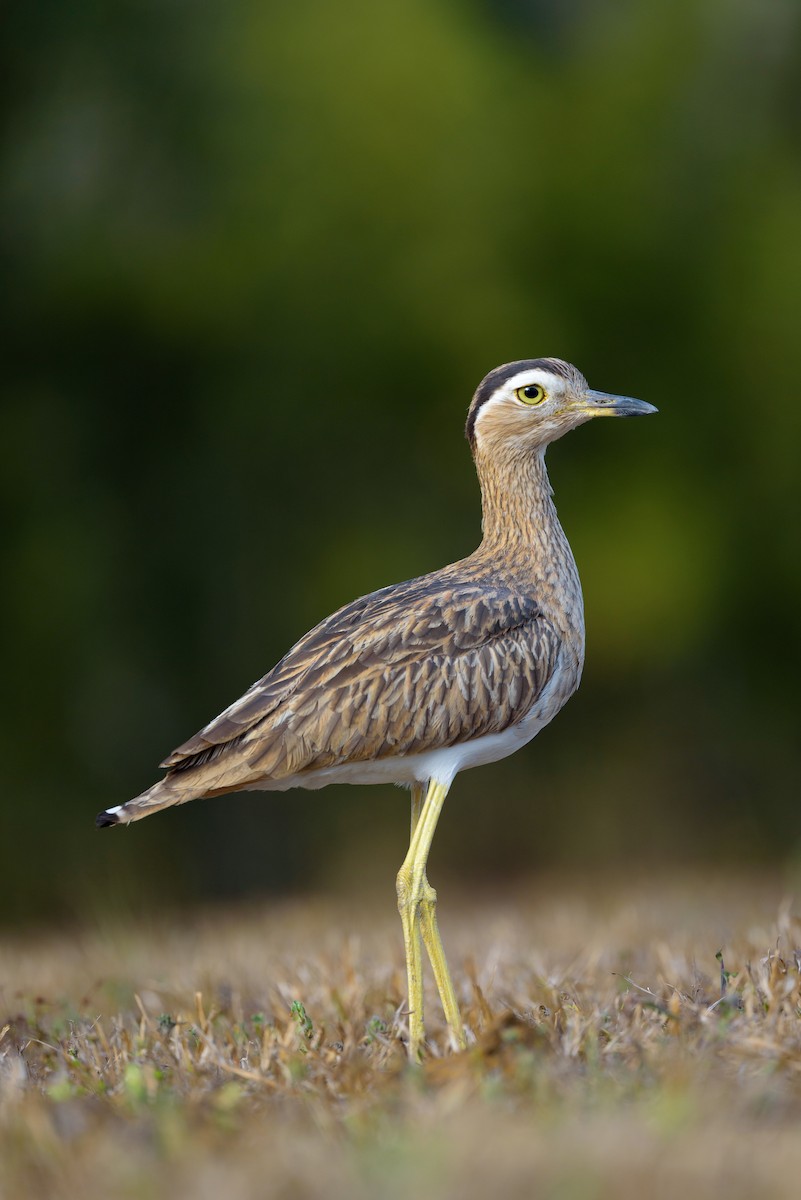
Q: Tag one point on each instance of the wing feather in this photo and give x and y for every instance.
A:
(413, 667)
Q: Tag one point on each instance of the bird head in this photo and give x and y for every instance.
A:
(525, 405)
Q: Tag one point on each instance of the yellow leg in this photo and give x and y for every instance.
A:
(429, 930)
(417, 905)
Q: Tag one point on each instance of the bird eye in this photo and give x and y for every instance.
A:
(534, 393)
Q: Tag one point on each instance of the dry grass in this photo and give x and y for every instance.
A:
(260, 1053)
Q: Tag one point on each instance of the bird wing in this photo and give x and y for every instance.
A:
(413, 667)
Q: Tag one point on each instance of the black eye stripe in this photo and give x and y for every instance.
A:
(501, 375)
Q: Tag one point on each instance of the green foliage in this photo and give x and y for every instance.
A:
(257, 257)
(304, 1022)
(375, 1029)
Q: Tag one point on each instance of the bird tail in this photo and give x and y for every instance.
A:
(212, 772)
(173, 789)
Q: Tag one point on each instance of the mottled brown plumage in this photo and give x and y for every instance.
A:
(418, 666)
(419, 680)
(414, 667)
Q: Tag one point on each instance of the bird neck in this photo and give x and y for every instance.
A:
(524, 541)
(517, 503)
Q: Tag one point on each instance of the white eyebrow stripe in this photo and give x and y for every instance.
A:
(540, 375)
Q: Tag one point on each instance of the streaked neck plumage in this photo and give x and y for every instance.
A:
(522, 534)
(516, 499)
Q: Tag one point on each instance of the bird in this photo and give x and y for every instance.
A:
(420, 680)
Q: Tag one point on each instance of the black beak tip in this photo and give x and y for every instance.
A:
(634, 408)
(620, 406)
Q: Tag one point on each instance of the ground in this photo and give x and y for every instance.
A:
(629, 1038)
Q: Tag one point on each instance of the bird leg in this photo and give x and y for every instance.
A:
(432, 941)
(417, 905)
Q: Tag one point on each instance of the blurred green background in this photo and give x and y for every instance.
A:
(257, 257)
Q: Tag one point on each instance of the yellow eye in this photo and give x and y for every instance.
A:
(534, 393)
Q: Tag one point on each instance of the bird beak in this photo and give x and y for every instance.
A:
(602, 404)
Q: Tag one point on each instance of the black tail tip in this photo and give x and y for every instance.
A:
(106, 818)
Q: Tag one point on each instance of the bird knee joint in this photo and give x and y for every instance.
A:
(404, 889)
(410, 890)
